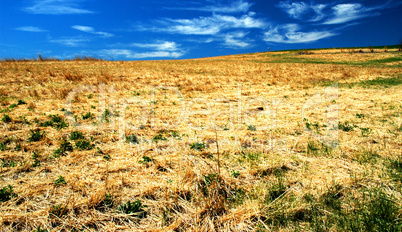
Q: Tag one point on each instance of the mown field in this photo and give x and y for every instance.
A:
(277, 141)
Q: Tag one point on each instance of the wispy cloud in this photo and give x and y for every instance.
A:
(343, 13)
(235, 40)
(299, 10)
(294, 9)
(91, 30)
(219, 7)
(70, 42)
(207, 25)
(56, 7)
(159, 46)
(129, 54)
(289, 33)
(30, 29)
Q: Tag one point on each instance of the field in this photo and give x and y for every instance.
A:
(277, 141)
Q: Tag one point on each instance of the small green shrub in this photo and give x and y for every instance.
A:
(106, 115)
(55, 121)
(145, 159)
(360, 115)
(106, 203)
(132, 139)
(21, 102)
(35, 157)
(36, 135)
(346, 126)
(3, 147)
(84, 144)
(365, 131)
(8, 163)
(235, 173)
(60, 181)
(6, 118)
(159, 137)
(198, 146)
(6, 193)
(64, 147)
(12, 106)
(88, 115)
(59, 211)
(251, 128)
(136, 209)
(76, 135)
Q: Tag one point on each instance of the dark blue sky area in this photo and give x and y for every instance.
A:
(156, 29)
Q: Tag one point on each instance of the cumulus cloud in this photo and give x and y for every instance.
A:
(91, 30)
(56, 7)
(30, 29)
(289, 33)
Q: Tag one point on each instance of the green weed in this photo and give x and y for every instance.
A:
(136, 209)
(36, 135)
(6, 193)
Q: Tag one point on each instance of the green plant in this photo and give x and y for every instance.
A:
(6, 118)
(346, 126)
(6, 193)
(368, 156)
(235, 173)
(365, 131)
(21, 102)
(64, 147)
(359, 115)
(60, 181)
(159, 137)
(39, 229)
(88, 115)
(251, 128)
(76, 135)
(55, 121)
(198, 146)
(3, 147)
(84, 144)
(59, 210)
(12, 106)
(8, 163)
(132, 139)
(36, 135)
(35, 157)
(106, 115)
(136, 209)
(106, 203)
(145, 159)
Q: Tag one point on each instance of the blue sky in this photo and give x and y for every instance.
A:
(156, 29)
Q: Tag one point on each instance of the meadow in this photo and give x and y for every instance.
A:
(305, 140)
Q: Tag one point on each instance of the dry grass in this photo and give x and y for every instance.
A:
(269, 114)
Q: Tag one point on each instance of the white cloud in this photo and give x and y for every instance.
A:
(298, 10)
(56, 7)
(231, 7)
(290, 33)
(343, 13)
(318, 10)
(129, 54)
(208, 25)
(30, 29)
(347, 12)
(91, 30)
(235, 40)
(70, 42)
(159, 46)
(295, 9)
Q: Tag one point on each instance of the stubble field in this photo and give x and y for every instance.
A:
(277, 141)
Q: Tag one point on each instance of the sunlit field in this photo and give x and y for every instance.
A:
(306, 140)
